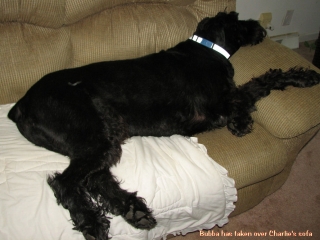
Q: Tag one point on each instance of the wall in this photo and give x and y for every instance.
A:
(305, 20)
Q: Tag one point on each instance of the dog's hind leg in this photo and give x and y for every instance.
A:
(106, 190)
(104, 187)
(88, 189)
(87, 216)
(242, 100)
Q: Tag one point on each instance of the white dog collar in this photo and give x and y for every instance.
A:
(211, 45)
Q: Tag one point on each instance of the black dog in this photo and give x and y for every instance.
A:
(86, 113)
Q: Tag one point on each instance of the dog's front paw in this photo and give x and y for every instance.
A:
(239, 127)
(137, 214)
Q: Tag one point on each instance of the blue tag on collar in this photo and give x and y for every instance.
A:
(211, 45)
(206, 43)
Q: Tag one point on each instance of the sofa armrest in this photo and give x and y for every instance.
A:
(285, 114)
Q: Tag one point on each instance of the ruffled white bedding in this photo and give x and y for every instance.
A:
(186, 189)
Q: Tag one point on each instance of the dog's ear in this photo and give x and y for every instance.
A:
(234, 15)
(202, 24)
(221, 19)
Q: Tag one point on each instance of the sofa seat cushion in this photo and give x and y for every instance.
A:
(285, 114)
(249, 159)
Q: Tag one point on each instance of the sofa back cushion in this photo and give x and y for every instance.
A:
(41, 36)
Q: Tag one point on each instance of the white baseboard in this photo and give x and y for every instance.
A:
(291, 40)
(308, 37)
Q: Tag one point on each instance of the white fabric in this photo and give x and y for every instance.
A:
(186, 189)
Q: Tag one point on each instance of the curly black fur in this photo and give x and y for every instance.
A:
(86, 113)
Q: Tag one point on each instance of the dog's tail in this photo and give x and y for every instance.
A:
(242, 100)
(15, 113)
(276, 79)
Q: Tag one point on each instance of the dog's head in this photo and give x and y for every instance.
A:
(230, 33)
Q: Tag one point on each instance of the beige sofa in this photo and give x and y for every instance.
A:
(41, 36)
